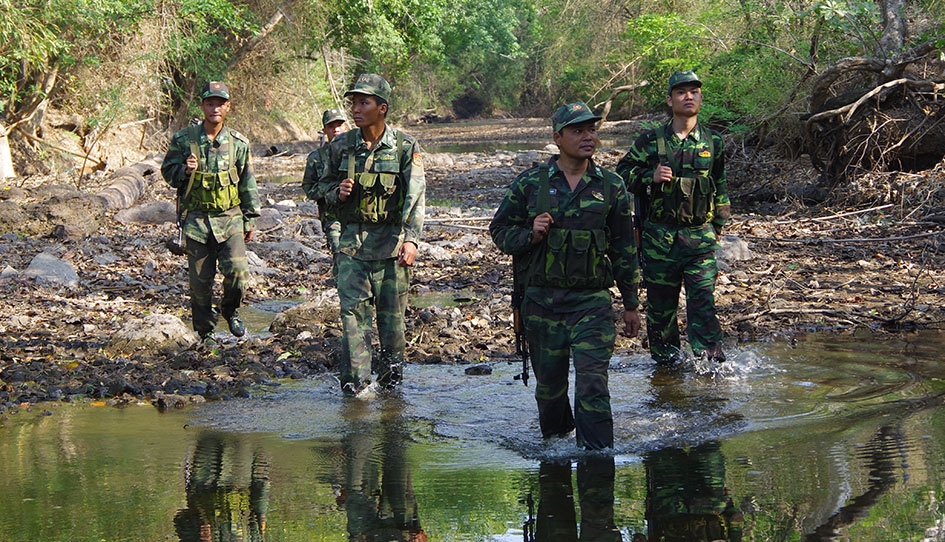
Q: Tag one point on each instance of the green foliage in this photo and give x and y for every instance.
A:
(479, 39)
(38, 38)
(205, 38)
(386, 37)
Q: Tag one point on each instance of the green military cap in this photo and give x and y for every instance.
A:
(372, 85)
(331, 116)
(682, 77)
(215, 89)
(572, 113)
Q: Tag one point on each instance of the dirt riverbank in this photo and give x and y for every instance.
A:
(869, 260)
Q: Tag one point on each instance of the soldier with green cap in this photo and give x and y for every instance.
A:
(374, 180)
(333, 123)
(567, 223)
(679, 170)
(209, 164)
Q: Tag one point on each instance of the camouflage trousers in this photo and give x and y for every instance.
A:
(364, 286)
(687, 498)
(588, 336)
(664, 280)
(202, 262)
(556, 519)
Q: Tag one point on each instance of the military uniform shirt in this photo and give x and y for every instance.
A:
(376, 241)
(314, 168)
(200, 225)
(637, 166)
(511, 229)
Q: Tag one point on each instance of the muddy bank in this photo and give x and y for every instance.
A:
(869, 262)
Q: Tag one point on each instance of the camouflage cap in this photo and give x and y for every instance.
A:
(215, 89)
(331, 116)
(572, 113)
(372, 85)
(682, 77)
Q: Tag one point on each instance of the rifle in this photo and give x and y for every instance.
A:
(641, 207)
(518, 297)
(177, 247)
(182, 194)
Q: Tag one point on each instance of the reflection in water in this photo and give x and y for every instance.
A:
(378, 494)
(885, 455)
(557, 520)
(227, 485)
(686, 497)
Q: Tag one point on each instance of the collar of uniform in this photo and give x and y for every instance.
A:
(387, 138)
(669, 133)
(593, 170)
(221, 137)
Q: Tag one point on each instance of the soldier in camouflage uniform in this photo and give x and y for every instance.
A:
(210, 166)
(374, 179)
(687, 193)
(567, 224)
(333, 123)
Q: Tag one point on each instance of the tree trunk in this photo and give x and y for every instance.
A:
(6, 159)
(131, 182)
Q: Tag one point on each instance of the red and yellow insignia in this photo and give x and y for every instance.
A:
(704, 153)
(417, 160)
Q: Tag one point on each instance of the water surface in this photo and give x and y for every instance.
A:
(814, 439)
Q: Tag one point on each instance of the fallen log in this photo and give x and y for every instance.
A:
(131, 182)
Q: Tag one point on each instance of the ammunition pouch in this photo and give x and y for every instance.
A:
(573, 258)
(215, 191)
(686, 201)
(376, 198)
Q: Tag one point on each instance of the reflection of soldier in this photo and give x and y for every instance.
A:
(686, 497)
(556, 520)
(227, 485)
(379, 497)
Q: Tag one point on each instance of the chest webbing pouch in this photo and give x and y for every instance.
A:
(211, 191)
(378, 195)
(686, 200)
(573, 253)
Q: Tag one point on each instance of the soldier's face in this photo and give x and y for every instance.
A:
(367, 110)
(685, 100)
(215, 109)
(578, 141)
(334, 128)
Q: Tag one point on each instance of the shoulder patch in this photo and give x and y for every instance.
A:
(239, 136)
(417, 159)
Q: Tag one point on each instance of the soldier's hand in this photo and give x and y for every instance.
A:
(190, 165)
(631, 323)
(662, 174)
(407, 255)
(248, 236)
(540, 227)
(345, 189)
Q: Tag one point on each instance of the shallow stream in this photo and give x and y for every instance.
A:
(822, 438)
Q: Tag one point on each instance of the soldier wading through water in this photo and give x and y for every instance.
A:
(568, 224)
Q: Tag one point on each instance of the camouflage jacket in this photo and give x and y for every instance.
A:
(592, 206)
(314, 167)
(376, 241)
(636, 167)
(229, 149)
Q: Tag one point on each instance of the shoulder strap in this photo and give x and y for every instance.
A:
(544, 201)
(193, 131)
(665, 158)
(352, 141)
(706, 136)
(400, 146)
